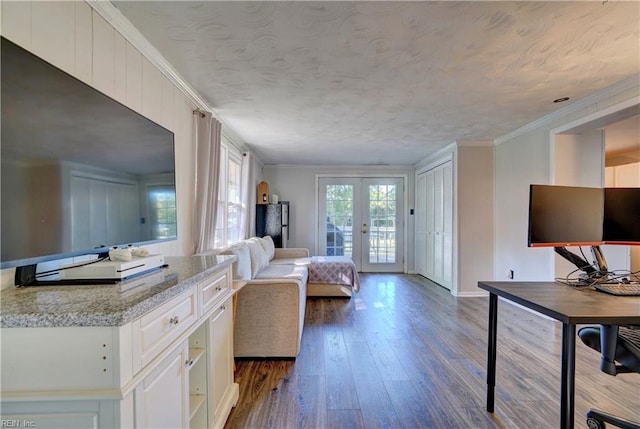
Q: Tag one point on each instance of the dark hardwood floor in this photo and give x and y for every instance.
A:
(404, 353)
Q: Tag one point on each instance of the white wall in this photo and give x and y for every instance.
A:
(297, 184)
(578, 160)
(519, 162)
(473, 196)
(474, 185)
(76, 38)
(526, 157)
(621, 176)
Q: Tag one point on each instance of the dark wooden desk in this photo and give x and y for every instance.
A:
(571, 307)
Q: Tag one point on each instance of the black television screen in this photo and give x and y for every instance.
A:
(79, 170)
(621, 223)
(565, 216)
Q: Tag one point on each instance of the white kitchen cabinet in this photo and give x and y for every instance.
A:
(163, 360)
(221, 361)
(158, 329)
(162, 399)
(198, 368)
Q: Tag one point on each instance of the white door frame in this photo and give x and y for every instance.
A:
(405, 208)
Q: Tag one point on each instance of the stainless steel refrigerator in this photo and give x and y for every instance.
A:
(273, 220)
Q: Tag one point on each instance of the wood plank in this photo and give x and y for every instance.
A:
(344, 419)
(405, 353)
(341, 390)
(312, 402)
(377, 410)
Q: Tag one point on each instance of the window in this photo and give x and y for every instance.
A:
(229, 196)
(162, 212)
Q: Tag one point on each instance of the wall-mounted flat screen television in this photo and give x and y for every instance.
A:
(621, 216)
(80, 172)
(565, 216)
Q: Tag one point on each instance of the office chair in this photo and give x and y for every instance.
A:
(615, 344)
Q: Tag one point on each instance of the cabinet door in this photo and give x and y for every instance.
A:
(434, 245)
(221, 352)
(162, 398)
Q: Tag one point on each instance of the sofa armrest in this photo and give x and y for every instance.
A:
(294, 252)
(270, 318)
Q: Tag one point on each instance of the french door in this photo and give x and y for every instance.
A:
(363, 218)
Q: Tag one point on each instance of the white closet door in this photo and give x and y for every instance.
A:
(434, 224)
(421, 225)
(438, 214)
(430, 226)
(447, 225)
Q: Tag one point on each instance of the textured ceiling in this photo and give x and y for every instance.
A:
(387, 82)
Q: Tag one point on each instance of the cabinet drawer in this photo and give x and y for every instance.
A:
(212, 290)
(159, 328)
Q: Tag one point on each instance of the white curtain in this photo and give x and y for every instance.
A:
(248, 223)
(207, 177)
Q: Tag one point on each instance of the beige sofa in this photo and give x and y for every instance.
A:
(271, 306)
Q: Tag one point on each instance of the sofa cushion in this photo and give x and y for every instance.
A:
(269, 246)
(296, 272)
(259, 258)
(242, 267)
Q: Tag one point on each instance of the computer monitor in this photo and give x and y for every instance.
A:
(565, 216)
(621, 223)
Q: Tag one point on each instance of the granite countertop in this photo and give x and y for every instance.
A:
(105, 305)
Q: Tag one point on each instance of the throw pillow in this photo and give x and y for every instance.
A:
(259, 258)
(269, 246)
(242, 267)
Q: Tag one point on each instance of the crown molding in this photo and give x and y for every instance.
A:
(391, 167)
(438, 157)
(474, 143)
(610, 91)
(120, 23)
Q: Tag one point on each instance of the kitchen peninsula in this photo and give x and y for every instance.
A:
(154, 351)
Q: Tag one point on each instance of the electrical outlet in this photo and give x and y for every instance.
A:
(510, 274)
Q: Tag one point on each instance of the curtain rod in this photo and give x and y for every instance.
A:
(199, 112)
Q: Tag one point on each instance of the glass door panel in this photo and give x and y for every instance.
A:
(383, 244)
(339, 219)
(363, 219)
